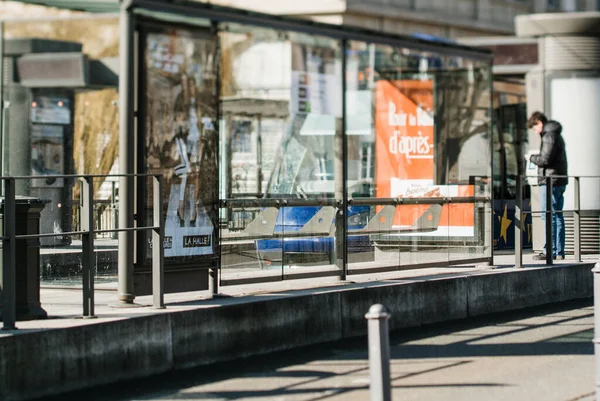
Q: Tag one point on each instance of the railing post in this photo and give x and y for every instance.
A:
(158, 253)
(9, 311)
(549, 237)
(379, 352)
(113, 207)
(577, 221)
(519, 223)
(596, 272)
(213, 281)
(213, 270)
(340, 240)
(87, 245)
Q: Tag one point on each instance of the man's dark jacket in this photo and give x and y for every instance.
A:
(552, 159)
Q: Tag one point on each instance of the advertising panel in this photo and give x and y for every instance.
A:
(181, 136)
(405, 155)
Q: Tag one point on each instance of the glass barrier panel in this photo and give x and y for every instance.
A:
(242, 241)
(425, 241)
(309, 240)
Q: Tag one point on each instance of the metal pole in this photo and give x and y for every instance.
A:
(519, 223)
(577, 221)
(259, 149)
(113, 205)
(213, 281)
(490, 174)
(379, 353)
(8, 257)
(341, 177)
(549, 238)
(87, 245)
(2, 100)
(596, 272)
(158, 253)
(126, 152)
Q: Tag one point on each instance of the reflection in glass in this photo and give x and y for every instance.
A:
(61, 118)
(426, 134)
(280, 91)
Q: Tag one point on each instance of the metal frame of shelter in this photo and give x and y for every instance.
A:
(133, 13)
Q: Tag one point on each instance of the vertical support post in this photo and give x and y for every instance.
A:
(259, 158)
(490, 174)
(596, 272)
(519, 223)
(341, 177)
(2, 100)
(87, 245)
(379, 353)
(213, 271)
(577, 221)
(113, 206)
(126, 152)
(213, 281)
(158, 253)
(9, 273)
(282, 206)
(549, 214)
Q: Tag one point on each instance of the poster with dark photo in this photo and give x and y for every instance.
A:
(181, 136)
(47, 155)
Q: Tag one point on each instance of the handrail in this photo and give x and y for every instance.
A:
(87, 230)
(268, 202)
(418, 201)
(40, 177)
(519, 213)
(87, 233)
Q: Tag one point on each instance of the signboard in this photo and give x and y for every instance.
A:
(404, 124)
(51, 110)
(181, 137)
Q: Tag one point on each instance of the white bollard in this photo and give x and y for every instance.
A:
(379, 353)
(596, 271)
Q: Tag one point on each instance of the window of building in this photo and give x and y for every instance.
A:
(241, 142)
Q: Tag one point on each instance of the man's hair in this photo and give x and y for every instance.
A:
(535, 118)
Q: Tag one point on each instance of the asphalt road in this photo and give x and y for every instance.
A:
(536, 354)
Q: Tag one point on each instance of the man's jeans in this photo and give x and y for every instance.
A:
(558, 220)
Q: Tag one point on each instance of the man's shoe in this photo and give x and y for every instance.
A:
(559, 257)
(539, 256)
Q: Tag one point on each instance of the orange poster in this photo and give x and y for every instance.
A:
(404, 127)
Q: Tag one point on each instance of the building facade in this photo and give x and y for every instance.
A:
(444, 18)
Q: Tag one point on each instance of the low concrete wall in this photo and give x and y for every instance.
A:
(38, 363)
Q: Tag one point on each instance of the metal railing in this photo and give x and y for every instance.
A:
(548, 229)
(87, 233)
(106, 213)
(329, 224)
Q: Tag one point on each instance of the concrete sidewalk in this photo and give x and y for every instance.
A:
(66, 352)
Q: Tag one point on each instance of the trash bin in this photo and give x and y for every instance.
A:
(27, 258)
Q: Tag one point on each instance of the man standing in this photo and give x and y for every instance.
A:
(552, 169)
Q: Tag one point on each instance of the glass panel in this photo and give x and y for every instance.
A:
(254, 105)
(280, 105)
(62, 118)
(427, 120)
(464, 101)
